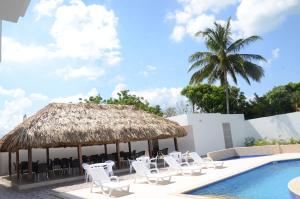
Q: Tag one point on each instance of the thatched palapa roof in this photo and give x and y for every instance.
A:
(67, 125)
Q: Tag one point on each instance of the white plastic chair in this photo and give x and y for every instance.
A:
(182, 168)
(147, 161)
(153, 176)
(130, 165)
(205, 162)
(177, 156)
(85, 166)
(107, 184)
(110, 165)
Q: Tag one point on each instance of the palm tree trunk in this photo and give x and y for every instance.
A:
(226, 92)
(227, 98)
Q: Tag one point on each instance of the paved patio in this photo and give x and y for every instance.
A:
(80, 190)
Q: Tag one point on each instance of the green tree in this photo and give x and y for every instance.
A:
(125, 98)
(223, 59)
(211, 99)
(92, 99)
(281, 99)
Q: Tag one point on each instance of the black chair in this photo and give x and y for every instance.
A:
(75, 165)
(85, 159)
(94, 159)
(65, 165)
(24, 167)
(164, 151)
(112, 157)
(133, 155)
(56, 166)
(103, 157)
(43, 170)
(141, 153)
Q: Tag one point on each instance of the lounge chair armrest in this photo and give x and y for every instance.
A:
(154, 169)
(184, 164)
(207, 159)
(115, 178)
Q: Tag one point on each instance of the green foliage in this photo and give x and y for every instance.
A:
(92, 99)
(280, 100)
(211, 99)
(250, 141)
(124, 98)
(224, 59)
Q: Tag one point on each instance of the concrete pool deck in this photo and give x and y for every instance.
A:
(182, 184)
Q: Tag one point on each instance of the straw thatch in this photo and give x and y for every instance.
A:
(67, 125)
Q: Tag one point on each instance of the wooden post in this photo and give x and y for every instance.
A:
(30, 163)
(47, 156)
(118, 155)
(105, 149)
(80, 159)
(18, 164)
(129, 149)
(9, 163)
(150, 148)
(175, 144)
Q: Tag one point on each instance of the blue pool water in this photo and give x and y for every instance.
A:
(266, 182)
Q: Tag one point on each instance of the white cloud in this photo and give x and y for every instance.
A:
(91, 73)
(164, 97)
(148, 70)
(260, 16)
(75, 98)
(178, 33)
(275, 53)
(195, 15)
(38, 96)
(12, 92)
(14, 51)
(86, 32)
(79, 31)
(46, 7)
(252, 16)
(14, 108)
(13, 111)
(118, 88)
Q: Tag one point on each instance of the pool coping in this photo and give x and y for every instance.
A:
(182, 193)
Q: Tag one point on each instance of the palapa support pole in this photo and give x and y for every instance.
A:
(30, 163)
(47, 156)
(105, 149)
(129, 149)
(118, 155)
(9, 163)
(18, 164)
(150, 148)
(175, 143)
(79, 150)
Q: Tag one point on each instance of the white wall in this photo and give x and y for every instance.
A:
(207, 131)
(283, 126)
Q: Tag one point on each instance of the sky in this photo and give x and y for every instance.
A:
(63, 50)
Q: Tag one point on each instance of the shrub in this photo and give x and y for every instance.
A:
(249, 141)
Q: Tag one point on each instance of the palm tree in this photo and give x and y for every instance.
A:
(223, 59)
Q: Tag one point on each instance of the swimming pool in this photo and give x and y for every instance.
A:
(265, 182)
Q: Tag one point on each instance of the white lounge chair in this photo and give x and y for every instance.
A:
(107, 184)
(182, 168)
(197, 160)
(153, 176)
